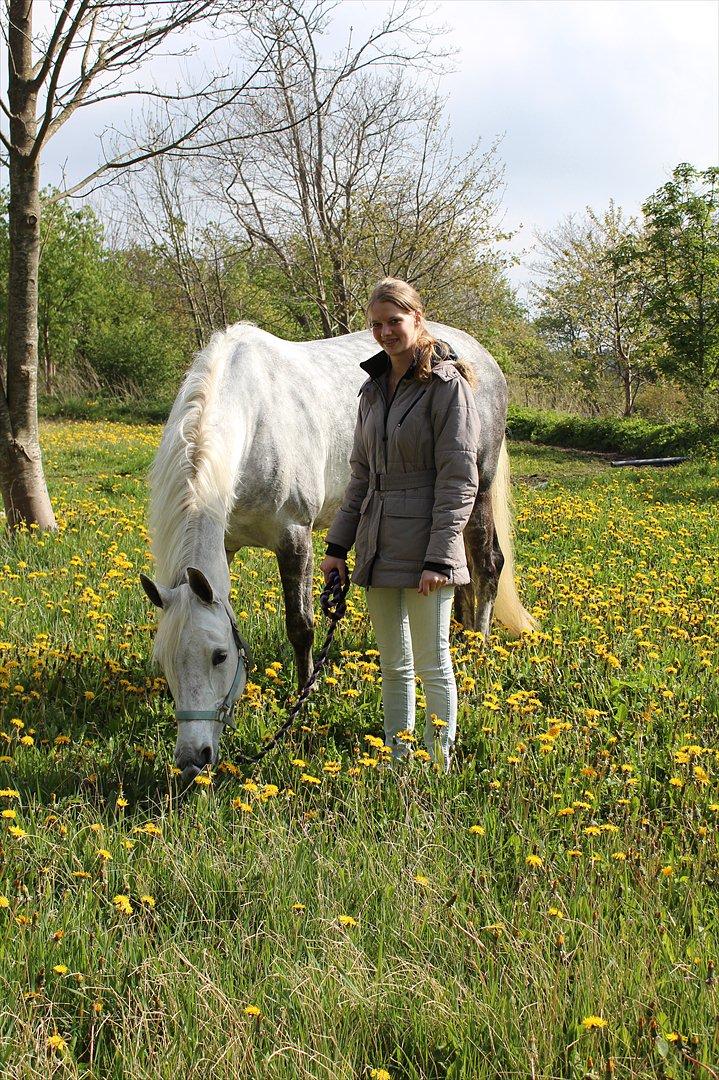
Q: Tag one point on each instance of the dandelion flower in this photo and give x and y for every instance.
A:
(61, 969)
(534, 860)
(591, 1022)
(421, 879)
(103, 853)
(17, 832)
(346, 920)
(298, 908)
(4, 902)
(477, 830)
(56, 1042)
(147, 900)
(252, 1010)
(203, 780)
(122, 903)
(379, 1074)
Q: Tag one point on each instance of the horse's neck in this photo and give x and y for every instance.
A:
(204, 549)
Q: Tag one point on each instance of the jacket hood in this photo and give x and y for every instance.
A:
(379, 363)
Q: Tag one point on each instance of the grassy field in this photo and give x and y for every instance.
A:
(547, 910)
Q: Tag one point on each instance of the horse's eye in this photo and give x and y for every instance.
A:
(219, 656)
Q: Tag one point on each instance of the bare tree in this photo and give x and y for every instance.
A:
(367, 183)
(162, 209)
(89, 54)
(591, 287)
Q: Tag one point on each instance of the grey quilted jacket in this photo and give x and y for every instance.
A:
(413, 476)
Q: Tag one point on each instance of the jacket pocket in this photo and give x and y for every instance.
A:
(409, 504)
(405, 528)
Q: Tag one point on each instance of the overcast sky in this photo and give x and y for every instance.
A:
(593, 99)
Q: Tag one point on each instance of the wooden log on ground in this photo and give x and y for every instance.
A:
(655, 462)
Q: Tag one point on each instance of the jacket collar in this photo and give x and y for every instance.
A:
(379, 363)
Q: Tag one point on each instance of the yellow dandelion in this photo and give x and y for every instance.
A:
(379, 1074)
(4, 902)
(203, 780)
(421, 879)
(298, 908)
(240, 804)
(252, 1010)
(534, 860)
(346, 920)
(61, 969)
(147, 900)
(593, 1022)
(17, 832)
(56, 1042)
(477, 830)
(122, 903)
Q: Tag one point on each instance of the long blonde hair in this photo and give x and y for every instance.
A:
(406, 298)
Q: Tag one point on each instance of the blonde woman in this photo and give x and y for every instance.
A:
(412, 488)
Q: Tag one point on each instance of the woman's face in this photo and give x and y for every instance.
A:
(394, 329)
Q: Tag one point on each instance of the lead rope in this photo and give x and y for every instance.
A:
(332, 602)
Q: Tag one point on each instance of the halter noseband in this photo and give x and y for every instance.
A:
(222, 713)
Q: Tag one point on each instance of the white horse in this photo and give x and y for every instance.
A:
(256, 453)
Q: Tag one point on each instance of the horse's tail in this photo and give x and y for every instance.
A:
(508, 608)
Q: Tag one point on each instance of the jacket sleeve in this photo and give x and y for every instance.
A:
(456, 437)
(342, 531)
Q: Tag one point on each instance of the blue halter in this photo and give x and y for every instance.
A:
(222, 713)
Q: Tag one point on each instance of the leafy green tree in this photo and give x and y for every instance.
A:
(681, 262)
(591, 285)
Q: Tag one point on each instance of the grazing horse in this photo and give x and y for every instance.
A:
(256, 453)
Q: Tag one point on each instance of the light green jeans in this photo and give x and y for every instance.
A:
(412, 633)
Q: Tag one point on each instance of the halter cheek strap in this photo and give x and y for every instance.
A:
(222, 713)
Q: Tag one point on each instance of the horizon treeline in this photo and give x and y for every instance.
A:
(624, 317)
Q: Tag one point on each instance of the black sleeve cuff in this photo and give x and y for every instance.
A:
(337, 551)
(438, 568)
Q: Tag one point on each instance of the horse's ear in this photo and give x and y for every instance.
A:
(200, 585)
(157, 594)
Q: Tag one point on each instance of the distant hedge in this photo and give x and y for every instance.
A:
(637, 437)
(98, 408)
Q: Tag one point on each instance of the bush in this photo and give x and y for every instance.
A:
(127, 411)
(634, 437)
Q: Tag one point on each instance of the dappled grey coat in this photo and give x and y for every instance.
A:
(414, 476)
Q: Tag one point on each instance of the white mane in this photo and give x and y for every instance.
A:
(190, 473)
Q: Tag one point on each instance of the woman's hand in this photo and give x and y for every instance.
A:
(430, 581)
(330, 563)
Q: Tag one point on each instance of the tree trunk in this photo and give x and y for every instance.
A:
(21, 474)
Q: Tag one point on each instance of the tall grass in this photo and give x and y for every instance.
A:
(549, 909)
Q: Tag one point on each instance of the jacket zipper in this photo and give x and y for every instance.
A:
(387, 407)
(409, 410)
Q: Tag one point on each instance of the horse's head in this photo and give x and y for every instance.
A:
(205, 662)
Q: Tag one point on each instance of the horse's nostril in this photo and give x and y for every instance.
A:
(206, 755)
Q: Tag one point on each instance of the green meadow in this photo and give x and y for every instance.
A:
(548, 910)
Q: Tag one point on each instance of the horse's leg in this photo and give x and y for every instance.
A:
(294, 558)
(464, 598)
(485, 560)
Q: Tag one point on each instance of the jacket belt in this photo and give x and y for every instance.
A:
(402, 481)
